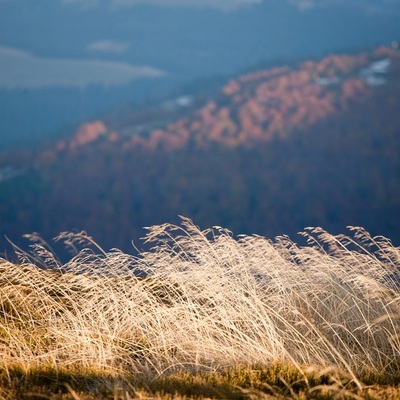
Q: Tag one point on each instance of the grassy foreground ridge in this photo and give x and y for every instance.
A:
(211, 316)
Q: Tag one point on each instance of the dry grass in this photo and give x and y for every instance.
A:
(210, 303)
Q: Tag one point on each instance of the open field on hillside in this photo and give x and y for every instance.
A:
(203, 314)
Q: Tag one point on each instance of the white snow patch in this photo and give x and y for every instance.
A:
(184, 101)
(373, 74)
(179, 102)
(381, 66)
(332, 80)
(373, 80)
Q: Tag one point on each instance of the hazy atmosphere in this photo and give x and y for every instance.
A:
(63, 62)
(258, 115)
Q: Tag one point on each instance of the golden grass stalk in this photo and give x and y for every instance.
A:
(208, 301)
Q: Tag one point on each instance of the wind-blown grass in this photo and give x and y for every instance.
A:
(208, 302)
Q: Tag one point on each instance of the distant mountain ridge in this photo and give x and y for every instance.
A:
(186, 42)
(275, 151)
(255, 107)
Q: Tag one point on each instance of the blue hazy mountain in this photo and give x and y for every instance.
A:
(64, 61)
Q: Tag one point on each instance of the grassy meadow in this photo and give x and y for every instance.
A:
(203, 314)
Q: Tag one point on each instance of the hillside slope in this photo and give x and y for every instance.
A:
(276, 150)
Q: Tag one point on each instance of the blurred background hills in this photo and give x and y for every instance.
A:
(64, 62)
(270, 151)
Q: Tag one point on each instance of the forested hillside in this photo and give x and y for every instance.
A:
(316, 144)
